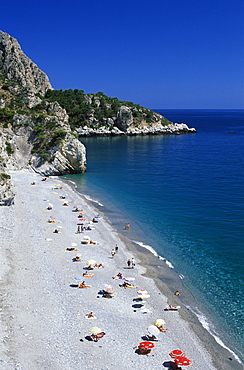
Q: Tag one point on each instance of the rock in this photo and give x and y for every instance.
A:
(28, 79)
(124, 118)
(70, 157)
(56, 109)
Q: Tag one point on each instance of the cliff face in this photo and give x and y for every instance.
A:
(27, 79)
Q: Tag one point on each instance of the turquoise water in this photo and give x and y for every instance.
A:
(184, 196)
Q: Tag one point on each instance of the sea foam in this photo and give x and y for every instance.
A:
(152, 250)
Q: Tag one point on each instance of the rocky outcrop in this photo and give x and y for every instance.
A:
(124, 119)
(69, 157)
(6, 187)
(27, 79)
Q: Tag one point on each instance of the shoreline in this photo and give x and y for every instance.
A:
(37, 292)
(150, 260)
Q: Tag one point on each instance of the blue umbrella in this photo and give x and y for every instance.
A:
(77, 278)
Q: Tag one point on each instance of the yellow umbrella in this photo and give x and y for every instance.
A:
(90, 262)
(95, 330)
(159, 322)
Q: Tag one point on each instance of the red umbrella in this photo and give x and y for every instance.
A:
(146, 345)
(176, 353)
(181, 360)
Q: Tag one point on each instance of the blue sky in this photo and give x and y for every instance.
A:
(160, 54)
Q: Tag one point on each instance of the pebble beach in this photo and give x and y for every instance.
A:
(43, 311)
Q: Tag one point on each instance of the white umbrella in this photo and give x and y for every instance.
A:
(152, 329)
(130, 279)
(142, 291)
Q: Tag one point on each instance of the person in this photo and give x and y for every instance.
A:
(177, 292)
(174, 366)
(162, 329)
(83, 285)
(87, 274)
(125, 284)
(127, 226)
(56, 231)
(128, 263)
(133, 263)
(95, 337)
(112, 253)
(33, 183)
(118, 276)
(90, 315)
(116, 248)
(45, 179)
(75, 259)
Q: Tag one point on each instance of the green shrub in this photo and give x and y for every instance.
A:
(9, 149)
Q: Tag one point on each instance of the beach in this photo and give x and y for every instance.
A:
(43, 312)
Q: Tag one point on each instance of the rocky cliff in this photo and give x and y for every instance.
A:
(25, 78)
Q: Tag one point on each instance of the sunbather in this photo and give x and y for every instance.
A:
(162, 329)
(118, 276)
(98, 336)
(87, 274)
(83, 285)
(90, 316)
(76, 259)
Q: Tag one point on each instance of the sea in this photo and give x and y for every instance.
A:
(183, 196)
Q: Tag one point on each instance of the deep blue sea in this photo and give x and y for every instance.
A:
(183, 196)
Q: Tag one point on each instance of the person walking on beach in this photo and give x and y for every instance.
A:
(128, 263)
(112, 253)
(133, 263)
(116, 248)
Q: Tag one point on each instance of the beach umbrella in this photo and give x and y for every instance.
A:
(143, 296)
(142, 291)
(95, 330)
(107, 286)
(90, 262)
(130, 279)
(181, 360)
(78, 278)
(109, 290)
(176, 352)
(152, 329)
(73, 244)
(146, 345)
(159, 322)
(50, 205)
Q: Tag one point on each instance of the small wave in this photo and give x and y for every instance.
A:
(181, 276)
(203, 320)
(92, 200)
(150, 249)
